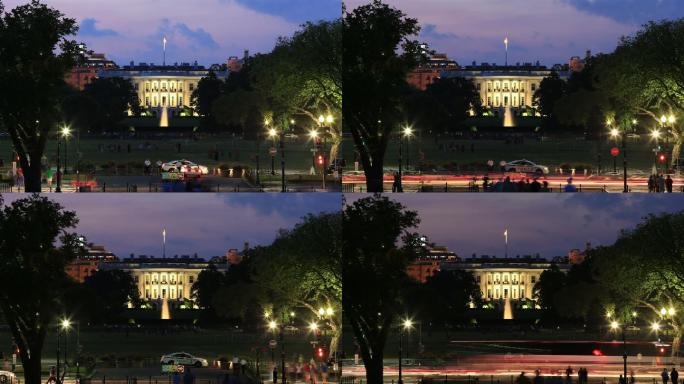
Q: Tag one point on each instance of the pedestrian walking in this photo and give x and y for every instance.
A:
(275, 374)
(665, 376)
(188, 377)
(568, 374)
(538, 379)
(668, 184)
(674, 376)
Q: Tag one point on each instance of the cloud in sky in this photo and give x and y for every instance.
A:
(630, 11)
(231, 25)
(548, 224)
(550, 31)
(88, 28)
(206, 224)
(297, 11)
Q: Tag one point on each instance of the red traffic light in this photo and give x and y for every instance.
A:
(320, 352)
(662, 157)
(320, 159)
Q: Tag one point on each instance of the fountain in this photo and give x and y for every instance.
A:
(165, 313)
(164, 117)
(508, 310)
(508, 117)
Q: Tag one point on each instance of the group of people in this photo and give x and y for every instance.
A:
(672, 376)
(522, 185)
(659, 184)
(312, 372)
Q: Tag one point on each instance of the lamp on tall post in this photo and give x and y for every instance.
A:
(66, 132)
(272, 134)
(406, 325)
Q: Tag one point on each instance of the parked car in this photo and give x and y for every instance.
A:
(184, 358)
(184, 166)
(525, 166)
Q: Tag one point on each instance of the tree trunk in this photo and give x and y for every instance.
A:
(374, 369)
(676, 150)
(32, 177)
(374, 174)
(32, 369)
(676, 342)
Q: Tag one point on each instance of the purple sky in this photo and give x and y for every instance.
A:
(549, 224)
(208, 224)
(550, 31)
(208, 31)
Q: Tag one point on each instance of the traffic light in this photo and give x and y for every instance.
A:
(320, 353)
(320, 159)
(662, 158)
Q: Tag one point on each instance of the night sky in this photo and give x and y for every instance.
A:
(208, 31)
(206, 224)
(550, 31)
(549, 224)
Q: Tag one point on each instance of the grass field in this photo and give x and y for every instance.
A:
(139, 349)
(232, 152)
(552, 152)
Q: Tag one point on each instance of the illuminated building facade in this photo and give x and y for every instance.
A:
(169, 278)
(506, 278)
(502, 87)
(169, 86)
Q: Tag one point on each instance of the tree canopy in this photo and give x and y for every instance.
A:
(377, 247)
(378, 52)
(35, 53)
(35, 246)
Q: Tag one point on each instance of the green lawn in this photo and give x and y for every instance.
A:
(552, 152)
(232, 152)
(147, 348)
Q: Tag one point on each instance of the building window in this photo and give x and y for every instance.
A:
(533, 86)
(489, 101)
(180, 101)
(147, 87)
(191, 87)
(147, 293)
(522, 101)
(147, 101)
(533, 279)
(489, 86)
(489, 293)
(180, 293)
(191, 279)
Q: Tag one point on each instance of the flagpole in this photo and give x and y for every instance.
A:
(506, 242)
(164, 244)
(164, 61)
(506, 44)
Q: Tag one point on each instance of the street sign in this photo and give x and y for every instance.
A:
(272, 151)
(614, 151)
(272, 344)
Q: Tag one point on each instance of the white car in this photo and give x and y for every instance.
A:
(184, 166)
(525, 166)
(184, 358)
(7, 377)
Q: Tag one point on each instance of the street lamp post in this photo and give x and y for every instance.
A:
(406, 325)
(615, 132)
(282, 160)
(614, 325)
(66, 131)
(272, 133)
(58, 189)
